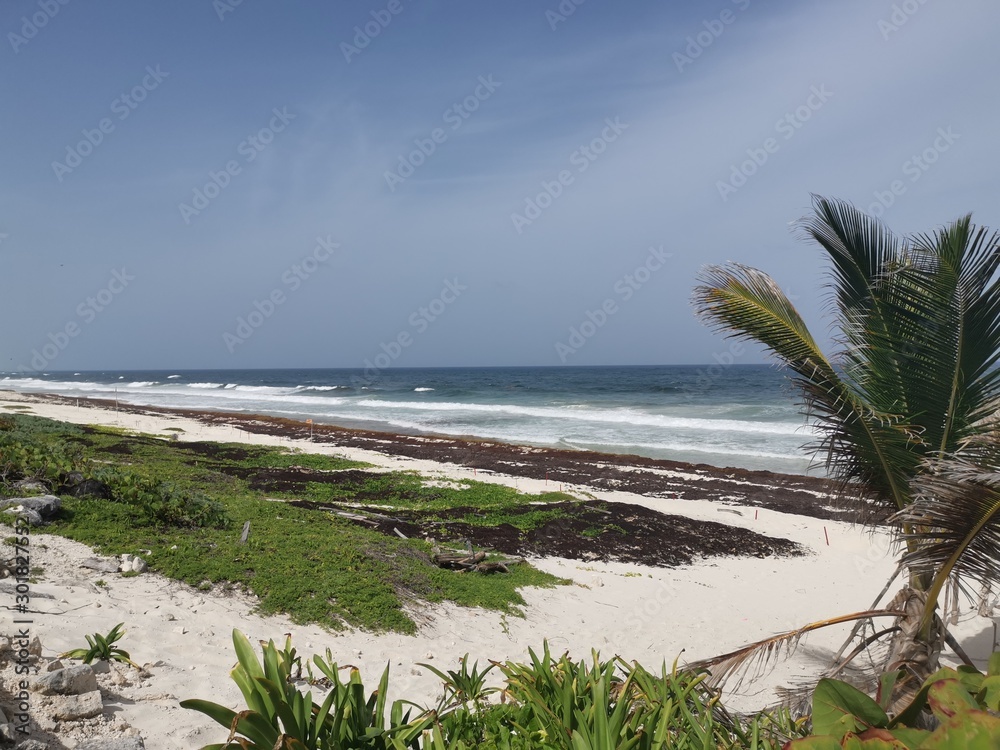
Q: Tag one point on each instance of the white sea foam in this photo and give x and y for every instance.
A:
(619, 416)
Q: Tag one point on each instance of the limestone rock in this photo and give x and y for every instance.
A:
(31, 516)
(68, 681)
(75, 707)
(118, 743)
(31, 486)
(133, 564)
(45, 507)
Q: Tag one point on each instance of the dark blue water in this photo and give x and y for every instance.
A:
(741, 415)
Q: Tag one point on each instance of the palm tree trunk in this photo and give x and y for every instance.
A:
(916, 656)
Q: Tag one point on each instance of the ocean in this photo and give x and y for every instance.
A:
(740, 415)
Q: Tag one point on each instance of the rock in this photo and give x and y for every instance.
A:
(118, 743)
(31, 485)
(35, 647)
(31, 516)
(52, 666)
(120, 679)
(6, 732)
(32, 745)
(75, 707)
(88, 488)
(101, 667)
(101, 566)
(133, 564)
(68, 681)
(46, 506)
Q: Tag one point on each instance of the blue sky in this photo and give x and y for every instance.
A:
(478, 180)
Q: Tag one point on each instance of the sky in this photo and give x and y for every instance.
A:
(227, 184)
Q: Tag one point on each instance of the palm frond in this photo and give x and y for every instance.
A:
(954, 526)
(754, 659)
(868, 448)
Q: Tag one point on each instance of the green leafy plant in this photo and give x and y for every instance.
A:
(960, 705)
(465, 685)
(616, 705)
(102, 647)
(280, 717)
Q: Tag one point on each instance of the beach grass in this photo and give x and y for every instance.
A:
(310, 564)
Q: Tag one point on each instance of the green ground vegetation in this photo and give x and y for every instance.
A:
(187, 503)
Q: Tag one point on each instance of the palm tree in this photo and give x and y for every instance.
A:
(905, 406)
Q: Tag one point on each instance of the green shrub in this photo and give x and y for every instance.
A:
(960, 704)
(550, 703)
(162, 503)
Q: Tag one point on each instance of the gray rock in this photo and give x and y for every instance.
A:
(33, 517)
(31, 485)
(68, 681)
(75, 707)
(101, 566)
(89, 488)
(35, 647)
(6, 732)
(118, 743)
(32, 745)
(46, 506)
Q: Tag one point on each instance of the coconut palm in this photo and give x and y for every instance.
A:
(905, 405)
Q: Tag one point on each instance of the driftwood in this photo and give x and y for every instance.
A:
(470, 561)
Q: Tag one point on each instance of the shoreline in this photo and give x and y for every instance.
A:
(650, 477)
(642, 612)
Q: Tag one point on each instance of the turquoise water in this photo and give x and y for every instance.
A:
(742, 416)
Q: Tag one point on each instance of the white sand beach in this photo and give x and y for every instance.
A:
(649, 614)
